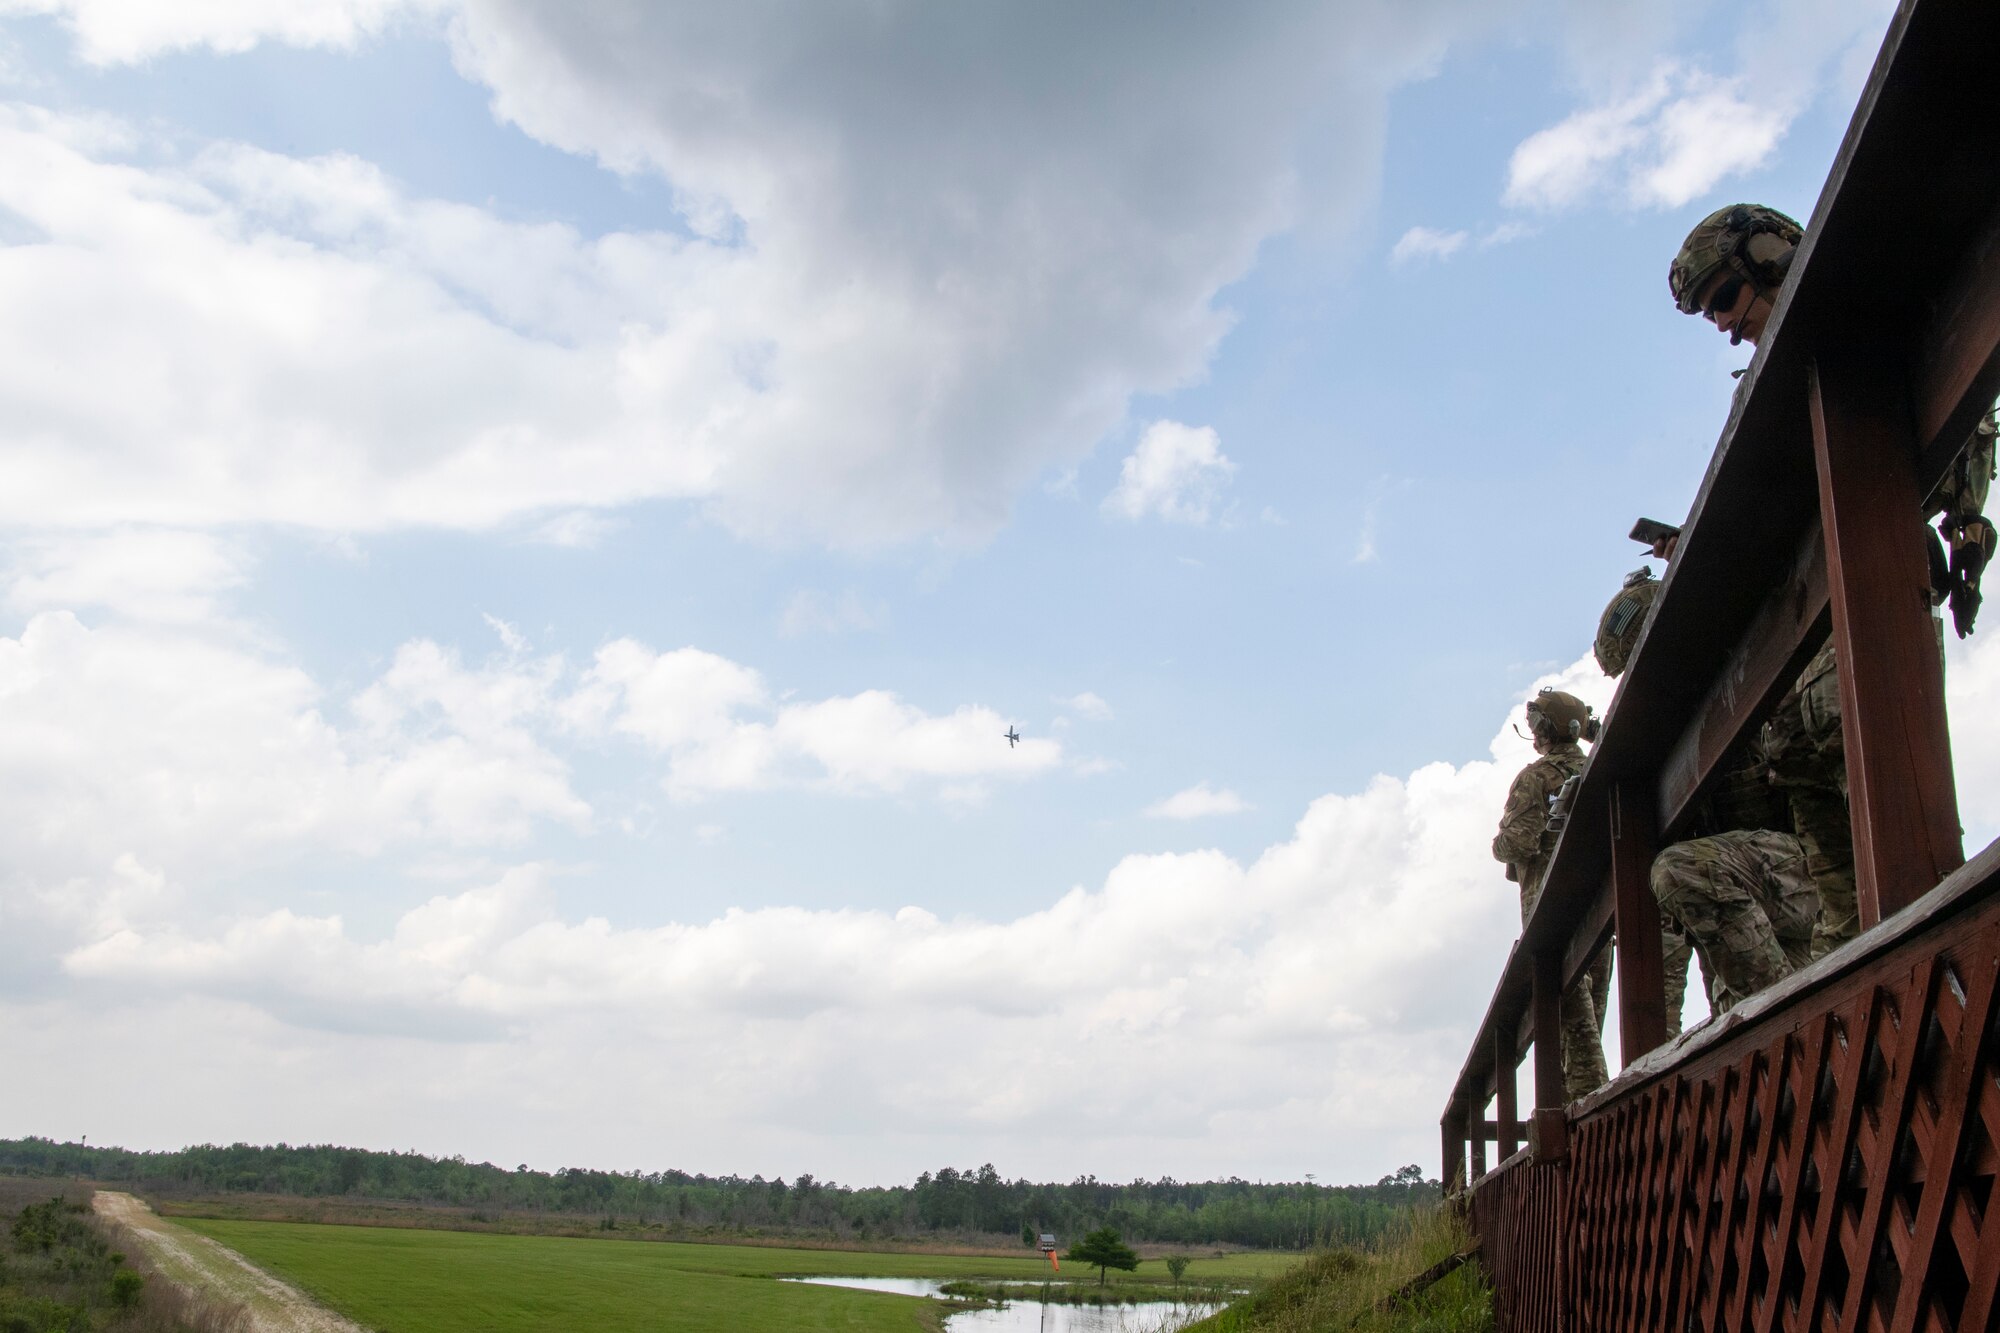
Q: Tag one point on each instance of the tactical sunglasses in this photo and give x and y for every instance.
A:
(1723, 297)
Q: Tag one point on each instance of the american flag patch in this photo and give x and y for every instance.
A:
(1621, 615)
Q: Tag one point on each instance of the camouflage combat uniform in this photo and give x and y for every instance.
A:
(1524, 843)
(1747, 904)
(1809, 759)
(1803, 738)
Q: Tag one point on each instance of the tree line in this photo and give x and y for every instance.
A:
(948, 1201)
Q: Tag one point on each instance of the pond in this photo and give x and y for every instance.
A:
(1035, 1316)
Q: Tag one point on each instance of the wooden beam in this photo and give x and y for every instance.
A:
(1899, 776)
(1642, 984)
(1506, 1077)
(1591, 933)
(1957, 368)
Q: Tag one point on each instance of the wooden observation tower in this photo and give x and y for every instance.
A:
(1824, 1157)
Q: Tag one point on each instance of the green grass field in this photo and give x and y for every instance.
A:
(407, 1281)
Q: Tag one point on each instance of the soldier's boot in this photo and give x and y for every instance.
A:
(1819, 814)
(1713, 907)
(1674, 954)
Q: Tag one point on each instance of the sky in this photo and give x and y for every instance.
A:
(525, 525)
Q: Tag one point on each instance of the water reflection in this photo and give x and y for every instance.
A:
(902, 1286)
(1035, 1316)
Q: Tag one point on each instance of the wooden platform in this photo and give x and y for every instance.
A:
(1817, 1160)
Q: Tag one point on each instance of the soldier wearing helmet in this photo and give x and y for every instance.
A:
(1731, 266)
(1737, 891)
(1729, 270)
(1556, 722)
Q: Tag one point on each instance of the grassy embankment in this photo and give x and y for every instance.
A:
(63, 1270)
(403, 1280)
(1362, 1291)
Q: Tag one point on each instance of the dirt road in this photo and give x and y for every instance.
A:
(200, 1264)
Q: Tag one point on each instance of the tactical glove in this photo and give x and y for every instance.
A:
(1970, 551)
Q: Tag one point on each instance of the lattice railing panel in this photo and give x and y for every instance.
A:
(1830, 1167)
(1522, 1216)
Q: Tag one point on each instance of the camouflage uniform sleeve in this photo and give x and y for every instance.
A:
(1526, 817)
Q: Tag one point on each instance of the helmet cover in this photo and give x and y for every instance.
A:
(1561, 715)
(1721, 241)
(1624, 617)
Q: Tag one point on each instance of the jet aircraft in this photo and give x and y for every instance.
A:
(1012, 737)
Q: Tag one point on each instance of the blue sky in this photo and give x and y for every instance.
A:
(527, 527)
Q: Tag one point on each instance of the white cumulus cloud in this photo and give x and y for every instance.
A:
(1197, 802)
(136, 573)
(917, 265)
(112, 32)
(1671, 141)
(1087, 705)
(1366, 937)
(1427, 243)
(1177, 472)
(1335, 975)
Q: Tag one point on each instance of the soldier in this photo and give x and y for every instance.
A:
(1617, 633)
(1729, 270)
(1746, 902)
(1808, 757)
(1737, 890)
(1556, 722)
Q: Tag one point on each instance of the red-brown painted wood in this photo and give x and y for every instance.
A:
(1642, 1007)
(1901, 792)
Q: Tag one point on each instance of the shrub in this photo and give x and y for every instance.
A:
(125, 1288)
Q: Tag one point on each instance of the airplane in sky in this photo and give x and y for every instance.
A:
(1012, 737)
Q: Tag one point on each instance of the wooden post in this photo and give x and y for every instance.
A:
(1547, 1003)
(1454, 1150)
(1506, 1073)
(1899, 780)
(1642, 986)
(1548, 1133)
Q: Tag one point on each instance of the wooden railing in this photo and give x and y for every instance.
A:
(1822, 1158)
(1882, 353)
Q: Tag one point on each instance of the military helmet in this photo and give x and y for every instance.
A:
(1721, 240)
(1561, 716)
(1618, 628)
